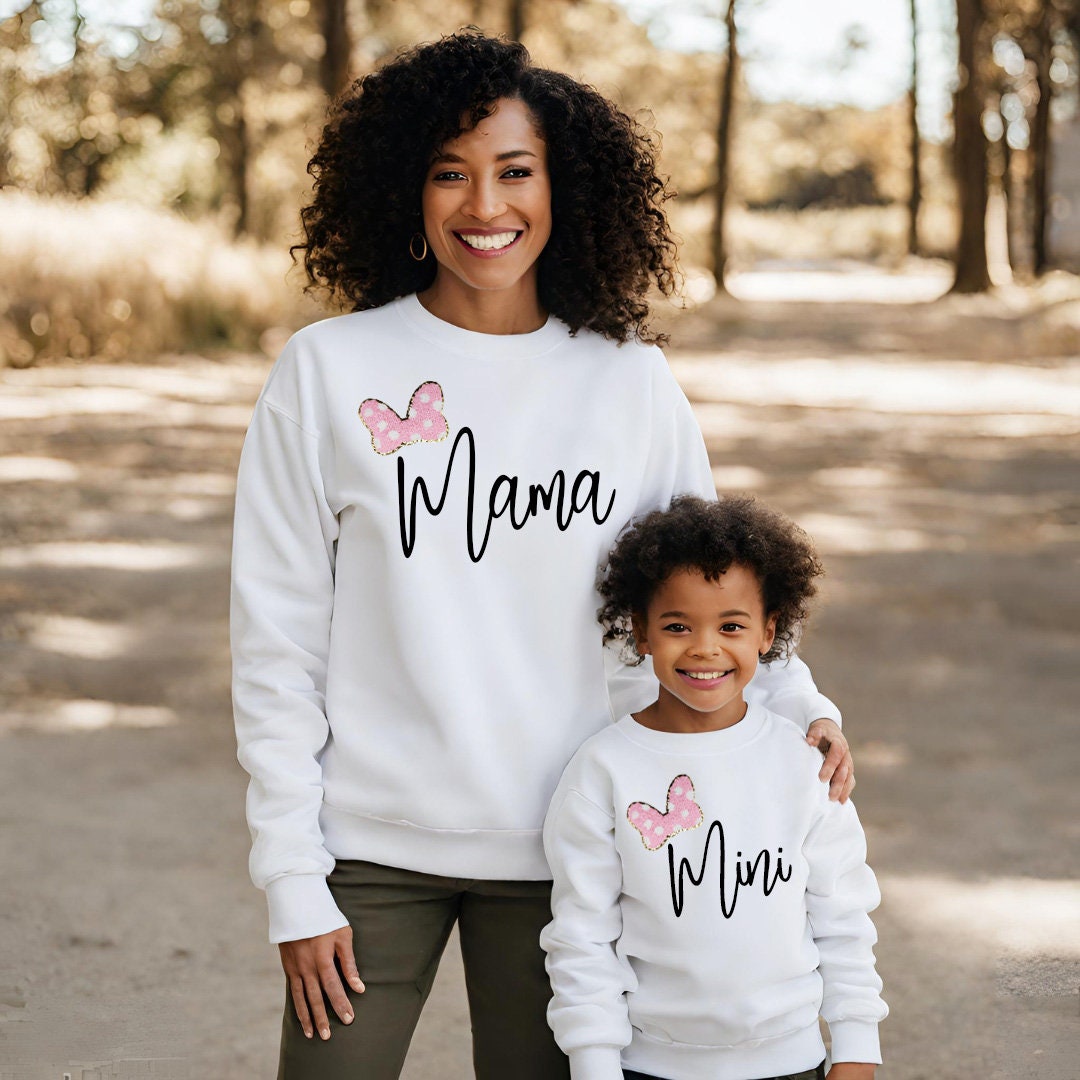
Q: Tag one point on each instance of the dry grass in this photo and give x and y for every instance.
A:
(117, 280)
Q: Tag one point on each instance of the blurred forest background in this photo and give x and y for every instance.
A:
(883, 343)
(152, 164)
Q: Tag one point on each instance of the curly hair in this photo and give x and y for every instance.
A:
(610, 239)
(695, 534)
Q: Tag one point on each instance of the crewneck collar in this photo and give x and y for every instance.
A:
(480, 346)
(698, 742)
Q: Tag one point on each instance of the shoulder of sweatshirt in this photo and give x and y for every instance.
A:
(348, 324)
(298, 383)
(802, 762)
(623, 355)
(789, 740)
(348, 338)
(656, 359)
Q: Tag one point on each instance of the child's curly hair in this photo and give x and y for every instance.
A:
(610, 239)
(695, 534)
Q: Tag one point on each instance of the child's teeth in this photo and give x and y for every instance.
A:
(705, 674)
(487, 243)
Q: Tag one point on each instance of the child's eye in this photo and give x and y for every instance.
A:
(676, 628)
(731, 628)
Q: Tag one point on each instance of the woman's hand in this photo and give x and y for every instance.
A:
(838, 768)
(851, 1070)
(310, 971)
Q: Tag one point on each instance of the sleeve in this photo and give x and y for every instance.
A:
(282, 599)
(589, 981)
(841, 891)
(786, 687)
(677, 464)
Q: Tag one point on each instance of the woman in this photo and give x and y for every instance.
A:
(426, 491)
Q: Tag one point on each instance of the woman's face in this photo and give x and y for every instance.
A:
(487, 208)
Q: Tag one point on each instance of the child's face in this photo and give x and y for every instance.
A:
(705, 639)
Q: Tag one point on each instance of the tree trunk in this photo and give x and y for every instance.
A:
(1012, 194)
(334, 65)
(723, 150)
(237, 55)
(1040, 145)
(240, 161)
(972, 274)
(915, 187)
(516, 19)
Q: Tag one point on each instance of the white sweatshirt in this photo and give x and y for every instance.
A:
(420, 515)
(709, 903)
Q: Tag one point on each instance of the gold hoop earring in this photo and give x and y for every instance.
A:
(412, 247)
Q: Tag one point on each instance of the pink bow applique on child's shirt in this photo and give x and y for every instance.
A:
(682, 813)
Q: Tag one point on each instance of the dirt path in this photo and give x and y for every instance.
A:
(938, 469)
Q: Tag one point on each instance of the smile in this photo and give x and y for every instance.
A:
(490, 242)
(704, 676)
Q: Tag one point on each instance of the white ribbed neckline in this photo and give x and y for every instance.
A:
(698, 742)
(481, 346)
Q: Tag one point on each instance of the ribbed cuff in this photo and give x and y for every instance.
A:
(596, 1063)
(855, 1040)
(301, 906)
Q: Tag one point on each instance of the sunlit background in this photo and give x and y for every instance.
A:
(153, 152)
(878, 330)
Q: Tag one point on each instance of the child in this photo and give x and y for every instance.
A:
(709, 901)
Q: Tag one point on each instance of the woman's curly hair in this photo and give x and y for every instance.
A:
(695, 534)
(610, 239)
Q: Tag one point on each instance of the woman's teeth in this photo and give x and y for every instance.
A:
(490, 242)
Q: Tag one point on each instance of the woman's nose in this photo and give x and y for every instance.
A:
(483, 202)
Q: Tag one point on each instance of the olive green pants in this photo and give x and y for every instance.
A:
(401, 921)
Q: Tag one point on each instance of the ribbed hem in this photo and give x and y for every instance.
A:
(596, 1063)
(855, 1040)
(486, 854)
(795, 1052)
(301, 907)
(481, 346)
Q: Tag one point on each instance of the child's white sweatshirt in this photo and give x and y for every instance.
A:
(709, 903)
(420, 515)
